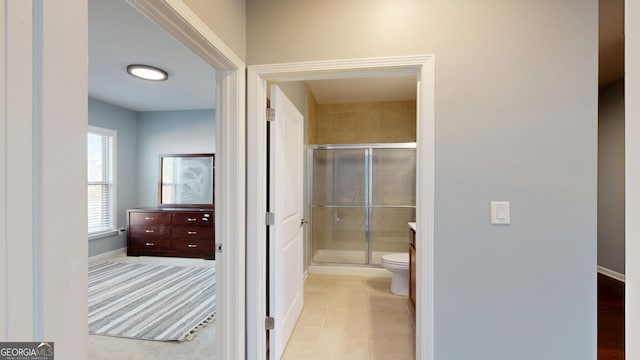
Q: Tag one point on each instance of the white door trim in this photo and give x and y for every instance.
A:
(176, 18)
(43, 262)
(16, 183)
(257, 77)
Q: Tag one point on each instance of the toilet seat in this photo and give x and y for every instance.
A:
(396, 259)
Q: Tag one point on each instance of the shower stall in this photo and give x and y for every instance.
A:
(361, 199)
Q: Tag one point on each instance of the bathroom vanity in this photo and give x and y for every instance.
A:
(412, 264)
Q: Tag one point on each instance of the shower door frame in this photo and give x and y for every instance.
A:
(368, 193)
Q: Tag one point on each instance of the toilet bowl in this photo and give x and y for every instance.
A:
(398, 264)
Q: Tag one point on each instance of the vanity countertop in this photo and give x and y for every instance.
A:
(412, 225)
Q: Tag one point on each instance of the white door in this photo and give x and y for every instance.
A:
(286, 235)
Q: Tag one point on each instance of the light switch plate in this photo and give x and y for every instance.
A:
(500, 213)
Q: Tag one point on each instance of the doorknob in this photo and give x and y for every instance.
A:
(303, 221)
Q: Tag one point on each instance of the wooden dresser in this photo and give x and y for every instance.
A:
(179, 232)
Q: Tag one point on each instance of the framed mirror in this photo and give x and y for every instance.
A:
(186, 180)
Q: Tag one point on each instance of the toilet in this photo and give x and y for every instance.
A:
(398, 264)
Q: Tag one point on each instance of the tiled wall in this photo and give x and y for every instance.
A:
(361, 123)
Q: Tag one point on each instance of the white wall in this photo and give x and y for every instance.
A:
(169, 132)
(611, 177)
(516, 120)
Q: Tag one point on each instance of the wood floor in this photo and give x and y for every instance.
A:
(610, 319)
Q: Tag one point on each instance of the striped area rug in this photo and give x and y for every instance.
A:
(151, 302)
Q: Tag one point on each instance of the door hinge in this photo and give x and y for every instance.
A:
(269, 323)
(270, 219)
(219, 248)
(271, 114)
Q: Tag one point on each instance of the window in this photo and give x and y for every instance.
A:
(101, 180)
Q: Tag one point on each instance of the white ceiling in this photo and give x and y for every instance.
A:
(119, 35)
(369, 89)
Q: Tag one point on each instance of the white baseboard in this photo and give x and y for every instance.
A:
(349, 271)
(610, 273)
(305, 275)
(108, 254)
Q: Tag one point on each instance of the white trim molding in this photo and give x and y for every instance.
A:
(18, 272)
(43, 287)
(3, 202)
(610, 273)
(632, 179)
(179, 20)
(257, 77)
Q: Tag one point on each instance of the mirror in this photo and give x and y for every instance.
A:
(186, 180)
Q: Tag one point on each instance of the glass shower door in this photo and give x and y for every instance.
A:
(339, 199)
(393, 200)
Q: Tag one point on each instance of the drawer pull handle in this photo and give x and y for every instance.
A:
(192, 232)
(148, 231)
(192, 245)
(205, 219)
(191, 219)
(148, 218)
(149, 244)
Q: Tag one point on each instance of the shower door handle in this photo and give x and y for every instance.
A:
(303, 221)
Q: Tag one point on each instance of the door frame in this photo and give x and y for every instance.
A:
(179, 20)
(257, 76)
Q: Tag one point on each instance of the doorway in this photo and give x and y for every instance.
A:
(183, 24)
(258, 76)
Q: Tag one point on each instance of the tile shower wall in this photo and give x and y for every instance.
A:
(361, 123)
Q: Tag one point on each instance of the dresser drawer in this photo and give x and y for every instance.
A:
(149, 218)
(192, 218)
(192, 232)
(149, 231)
(150, 244)
(186, 232)
(192, 245)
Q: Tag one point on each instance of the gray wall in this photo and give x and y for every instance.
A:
(123, 121)
(516, 120)
(611, 167)
(164, 132)
(226, 18)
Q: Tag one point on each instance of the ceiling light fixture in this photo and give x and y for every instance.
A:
(147, 72)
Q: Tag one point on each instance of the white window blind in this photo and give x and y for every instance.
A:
(101, 175)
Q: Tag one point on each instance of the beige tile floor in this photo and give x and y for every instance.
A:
(352, 318)
(114, 348)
